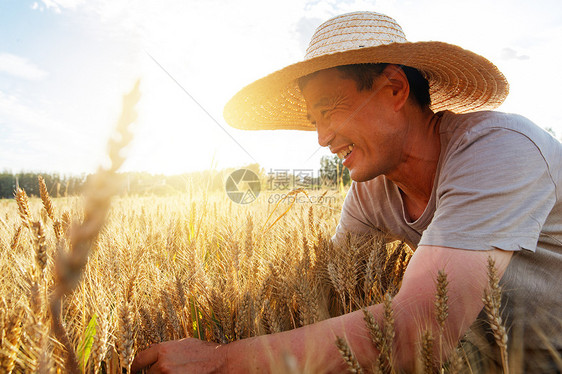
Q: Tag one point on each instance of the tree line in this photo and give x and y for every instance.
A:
(331, 174)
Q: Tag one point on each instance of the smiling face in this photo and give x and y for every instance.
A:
(362, 127)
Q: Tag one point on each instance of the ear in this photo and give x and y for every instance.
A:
(398, 83)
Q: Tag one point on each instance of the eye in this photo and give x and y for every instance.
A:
(309, 118)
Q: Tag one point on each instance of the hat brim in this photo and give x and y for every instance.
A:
(459, 80)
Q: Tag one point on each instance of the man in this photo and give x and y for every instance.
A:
(459, 188)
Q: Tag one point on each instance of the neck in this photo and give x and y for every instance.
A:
(416, 174)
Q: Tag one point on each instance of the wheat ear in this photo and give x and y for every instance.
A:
(441, 306)
(47, 203)
(49, 208)
(16, 239)
(352, 363)
(388, 324)
(382, 338)
(151, 335)
(426, 353)
(100, 345)
(492, 305)
(11, 341)
(173, 326)
(126, 336)
(377, 336)
(337, 281)
(41, 256)
(455, 362)
(23, 207)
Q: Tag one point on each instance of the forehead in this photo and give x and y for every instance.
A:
(325, 82)
(319, 75)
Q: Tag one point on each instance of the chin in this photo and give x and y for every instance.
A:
(358, 176)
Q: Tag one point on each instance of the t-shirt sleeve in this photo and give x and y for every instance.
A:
(495, 191)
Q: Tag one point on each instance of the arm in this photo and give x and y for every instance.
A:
(413, 310)
(414, 305)
(315, 344)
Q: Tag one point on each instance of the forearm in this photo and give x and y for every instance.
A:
(313, 346)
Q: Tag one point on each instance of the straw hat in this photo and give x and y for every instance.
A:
(459, 80)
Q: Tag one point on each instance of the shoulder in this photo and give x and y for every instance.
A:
(477, 124)
(501, 132)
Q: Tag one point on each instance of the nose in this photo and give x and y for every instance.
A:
(325, 133)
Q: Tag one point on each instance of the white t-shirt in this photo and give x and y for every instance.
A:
(498, 185)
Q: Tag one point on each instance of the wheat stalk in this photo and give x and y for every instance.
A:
(69, 266)
(369, 278)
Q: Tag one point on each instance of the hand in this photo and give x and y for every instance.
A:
(182, 356)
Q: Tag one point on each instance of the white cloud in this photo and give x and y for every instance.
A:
(58, 5)
(20, 67)
(510, 54)
(33, 139)
(13, 110)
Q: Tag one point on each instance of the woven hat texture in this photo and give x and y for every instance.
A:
(459, 80)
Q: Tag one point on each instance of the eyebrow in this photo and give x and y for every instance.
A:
(323, 102)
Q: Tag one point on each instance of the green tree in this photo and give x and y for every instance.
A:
(332, 172)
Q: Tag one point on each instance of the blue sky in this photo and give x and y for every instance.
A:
(65, 64)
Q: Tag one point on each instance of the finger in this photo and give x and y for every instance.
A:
(145, 358)
(154, 369)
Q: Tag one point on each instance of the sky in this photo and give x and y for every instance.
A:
(65, 65)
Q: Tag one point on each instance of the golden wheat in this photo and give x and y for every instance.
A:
(160, 272)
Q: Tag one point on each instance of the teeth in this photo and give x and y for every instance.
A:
(344, 153)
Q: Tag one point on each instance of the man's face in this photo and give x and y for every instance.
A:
(359, 126)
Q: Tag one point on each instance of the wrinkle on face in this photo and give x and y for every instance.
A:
(326, 105)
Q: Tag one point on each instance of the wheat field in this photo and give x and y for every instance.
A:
(165, 268)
